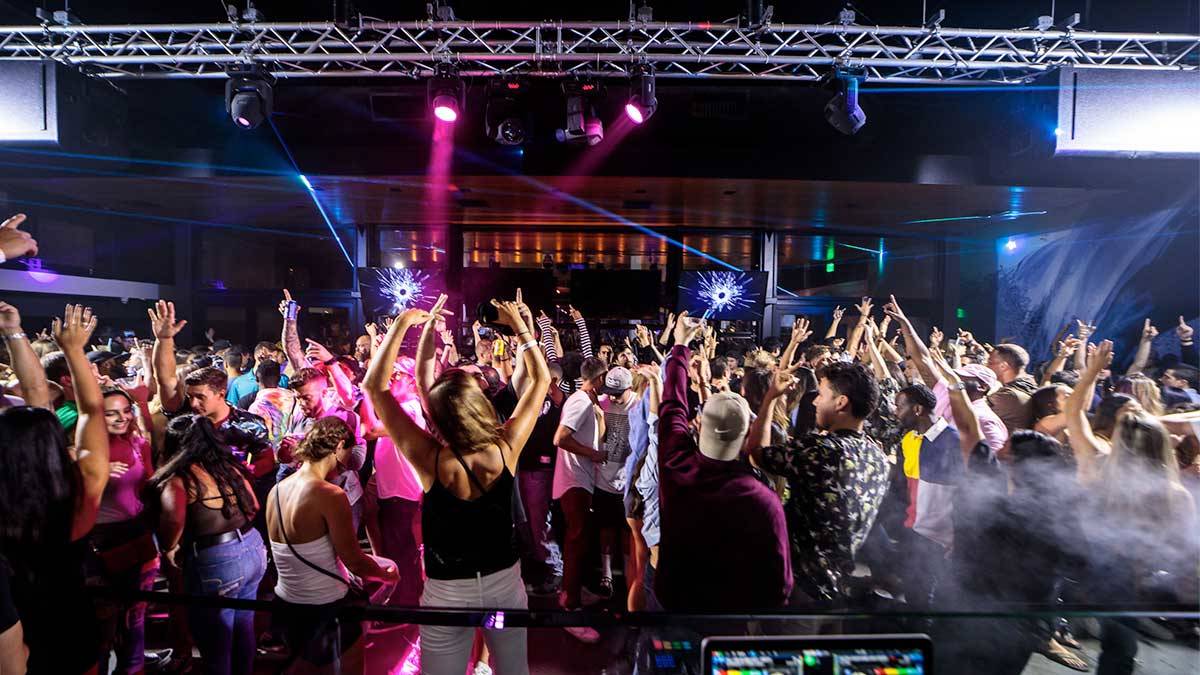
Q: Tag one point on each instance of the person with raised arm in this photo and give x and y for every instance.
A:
(244, 433)
(468, 473)
(838, 313)
(1142, 356)
(14, 243)
(49, 498)
(708, 493)
(980, 381)
(837, 480)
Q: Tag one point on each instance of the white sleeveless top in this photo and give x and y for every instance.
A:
(302, 585)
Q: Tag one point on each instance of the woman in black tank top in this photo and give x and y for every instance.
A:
(467, 473)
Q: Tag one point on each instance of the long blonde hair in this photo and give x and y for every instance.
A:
(1146, 391)
(1140, 478)
(462, 413)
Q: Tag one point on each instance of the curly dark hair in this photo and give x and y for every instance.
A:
(856, 383)
(192, 441)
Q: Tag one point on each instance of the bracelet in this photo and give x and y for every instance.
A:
(525, 346)
(15, 336)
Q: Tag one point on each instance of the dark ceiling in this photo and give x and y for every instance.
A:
(768, 142)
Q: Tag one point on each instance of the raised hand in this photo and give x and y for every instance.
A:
(800, 330)
(10, 319)
(1067, 347)
(1101, 358)
(372, 330)
(162, 320)
(864, 307)
(687, 328)
(1149, 332)
(287, 297)
(510, 315)
(893, 310)
(574, 313)
(782, 382)
(75, 328)
(44, 334)
(838, 312)
(935, 337)
(13, 242)
(1184, 331)
(1084, 329)
(317, 351)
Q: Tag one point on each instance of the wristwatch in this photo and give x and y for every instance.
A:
(958, 386)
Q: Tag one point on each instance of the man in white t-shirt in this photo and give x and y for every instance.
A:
(578, 439)
(608, 501)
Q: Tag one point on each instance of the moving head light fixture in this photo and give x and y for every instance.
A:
(643, 100)
(504, 119)
(446, 93)
(843, 111)
(248, 95)
(583, 124)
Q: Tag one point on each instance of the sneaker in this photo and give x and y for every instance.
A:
(481, 668)
(157, 659)
(585, 634)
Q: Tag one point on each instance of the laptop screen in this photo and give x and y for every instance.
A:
(843, 655)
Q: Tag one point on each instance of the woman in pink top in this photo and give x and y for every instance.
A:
(124, 555)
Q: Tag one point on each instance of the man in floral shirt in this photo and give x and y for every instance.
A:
(837, 479)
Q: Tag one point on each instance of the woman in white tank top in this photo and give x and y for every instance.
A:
(317, 554)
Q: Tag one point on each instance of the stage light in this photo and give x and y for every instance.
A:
(643, 100)
(583, 125)
(503, 118)
(1010, 245)
(843, 111)
(446, 93)
(248, 96)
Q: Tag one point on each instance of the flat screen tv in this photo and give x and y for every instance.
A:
(723, 295)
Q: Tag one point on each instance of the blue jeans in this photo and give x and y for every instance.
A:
(541, 559)
(230, 570)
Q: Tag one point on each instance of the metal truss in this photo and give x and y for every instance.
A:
(802, 52)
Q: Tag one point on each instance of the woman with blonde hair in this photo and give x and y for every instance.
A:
(468, 472)
(1143, 527)
(1145, 391)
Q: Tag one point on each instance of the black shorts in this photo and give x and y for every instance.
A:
(608, 509)
(315, 634)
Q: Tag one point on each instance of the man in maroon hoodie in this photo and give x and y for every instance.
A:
(724, 543)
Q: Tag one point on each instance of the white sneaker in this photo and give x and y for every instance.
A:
(481, 668)
(584, 633)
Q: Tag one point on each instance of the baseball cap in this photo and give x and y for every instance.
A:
(978, 372)
(617, 380)
(99, 356)
(723, 425)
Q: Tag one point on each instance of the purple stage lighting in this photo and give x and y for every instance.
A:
(643, 99)
(634, 113)
(445, 108)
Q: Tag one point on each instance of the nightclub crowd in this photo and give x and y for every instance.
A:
(668, 468)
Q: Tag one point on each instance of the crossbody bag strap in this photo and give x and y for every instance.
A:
(283, 531)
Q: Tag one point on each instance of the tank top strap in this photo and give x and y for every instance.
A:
(470, 474)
